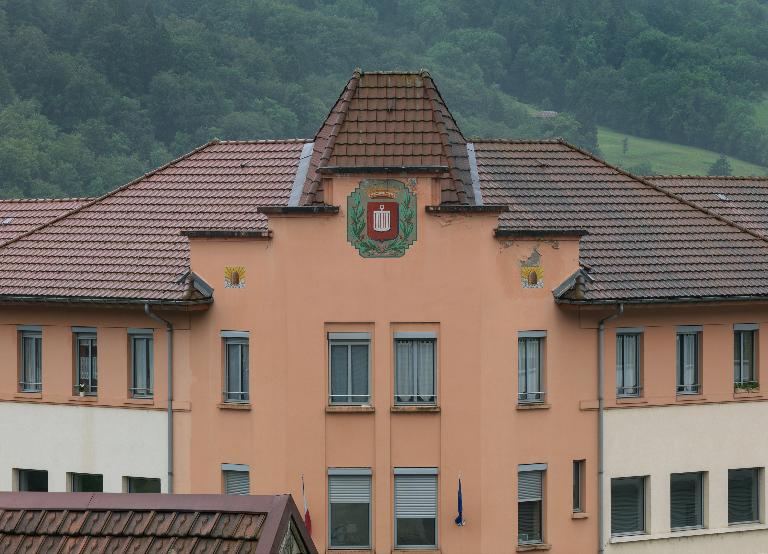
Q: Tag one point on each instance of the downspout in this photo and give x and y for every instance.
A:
(601, 424)
(169, 335)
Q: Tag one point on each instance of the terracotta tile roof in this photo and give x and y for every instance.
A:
(22, 215)
(642, 242)
(391, 120)
(43, 523)
(127, 244)
(743, 200)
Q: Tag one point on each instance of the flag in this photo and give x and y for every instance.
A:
(460, 521)
(307, 518)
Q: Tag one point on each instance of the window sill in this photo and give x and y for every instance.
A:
(415, 409)
(579, 515)
(631, 400)
(28, 395)
(345, 551)
(139, 401)
(84, 399)
(349, 409)
(235, 406)
(690, 398)
(747, 394)
(533, 547)
(691, 533)
(534, 406)
(416, 551)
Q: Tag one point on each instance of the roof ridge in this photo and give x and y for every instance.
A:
(712, 177)
(266, 141)
(670, 194)
(68, 199)
(108, 194)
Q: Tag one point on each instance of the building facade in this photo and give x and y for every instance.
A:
(389, 310)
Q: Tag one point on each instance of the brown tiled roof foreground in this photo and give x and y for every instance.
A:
(80, 523)
(743, 200)
(644, 242)
(23, 215)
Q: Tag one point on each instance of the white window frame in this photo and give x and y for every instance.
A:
(416, 337)
(405, 472)
(34, 334)
(241, 339)
(349, 340)
(738, 371)
(351, 472)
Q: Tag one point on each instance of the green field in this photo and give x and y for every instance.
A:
(666, 158)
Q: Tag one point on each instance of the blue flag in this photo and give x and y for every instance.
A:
(460, 518)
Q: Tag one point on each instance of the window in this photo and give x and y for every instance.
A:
(688, 370)
(142, 364)
(743, 495)
(31, 372)
(686, 493)
(86, 371)
(628, 363)
(414, 369)
(86, 482)
(349, 499)
(529, 503)
(628, 506)
(415, 508)
(236, 355)
(142, 484)
(578, 485)
(32, 480)
(744, 345)
(529, 366)
(236, 478)
(349, 375)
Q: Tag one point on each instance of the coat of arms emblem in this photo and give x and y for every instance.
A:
(381, 218)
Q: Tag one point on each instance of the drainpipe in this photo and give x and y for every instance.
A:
(601, 424)
(169, 335)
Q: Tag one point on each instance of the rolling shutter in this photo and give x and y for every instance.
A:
(349, 489)
(529, 486)
(627, 505)
(743, 495)
(415, 496)
(237, 482)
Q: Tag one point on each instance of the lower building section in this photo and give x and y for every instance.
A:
(687, 479)
(81, 448)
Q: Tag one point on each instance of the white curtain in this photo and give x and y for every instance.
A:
(689, 359)
(404, 386)
(426, 371)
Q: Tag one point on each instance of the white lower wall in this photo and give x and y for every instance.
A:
(658, 441)
(114, 442)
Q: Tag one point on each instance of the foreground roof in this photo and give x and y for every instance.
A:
(22, 215)
(642, 242)
(38, 523)
(743, 200)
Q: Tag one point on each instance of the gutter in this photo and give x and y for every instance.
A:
(169, 335)
(601, 424)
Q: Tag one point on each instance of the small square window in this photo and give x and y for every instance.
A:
(237, 479)
(86, 482)
(32, 480)
(142, 484)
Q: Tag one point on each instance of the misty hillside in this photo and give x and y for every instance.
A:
(95, 92)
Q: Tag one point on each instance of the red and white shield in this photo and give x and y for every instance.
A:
(383, 220)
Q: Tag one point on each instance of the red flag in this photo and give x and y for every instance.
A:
(307, 518)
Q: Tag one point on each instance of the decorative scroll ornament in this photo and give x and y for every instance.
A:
(381, 218)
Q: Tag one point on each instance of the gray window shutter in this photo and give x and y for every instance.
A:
(529, 486)
(415, 496)
(237, 482)
(743, 495)
(349, 489)
(627, 505)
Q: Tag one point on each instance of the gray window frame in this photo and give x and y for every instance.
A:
(232, 469)
(348, 340)
(541, 471)
(739, 357)
(400, 473)
(74, 478)
(579, 485)
(146, 392)
(130, 483)
(36, 382)
(758, 491)
(621, 358)
(89, 389)
(414, 340)
(700, 482)
(243, 396)
(643, 505)
(351, 472)
(22, 477)
(681, 387)
(523, 340)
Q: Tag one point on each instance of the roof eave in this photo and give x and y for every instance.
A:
(664, 300)
(192, 305)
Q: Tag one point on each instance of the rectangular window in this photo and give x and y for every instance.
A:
(688, 362)
(236, 478)
(578, 485)
(743, 495)
(686, 494)
(628, 506)
(86, 482)
(142, 365)
(744, 346)
(350, 368)
(530, 354)
(415, 508)
(628, 364)
(86, 370)
(349, 499)
(32, 480)
(415, 371)
(529, 503)
(236, 376)
(31, 362)
(142, 484)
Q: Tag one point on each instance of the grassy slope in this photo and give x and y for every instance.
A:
(667, 158)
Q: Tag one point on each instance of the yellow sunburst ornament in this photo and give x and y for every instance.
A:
(234, 277)
(531, 271)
